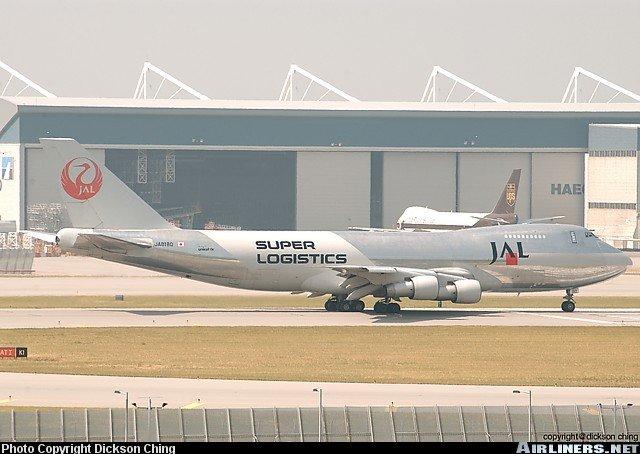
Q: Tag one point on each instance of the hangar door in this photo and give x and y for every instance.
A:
(417, 179)
(333, 190)
(558, 186)
(482, 177)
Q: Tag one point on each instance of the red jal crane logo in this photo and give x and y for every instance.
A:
(88, 178)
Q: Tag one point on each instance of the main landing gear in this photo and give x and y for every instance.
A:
(568, 305)
(335, 304)
(383, 306)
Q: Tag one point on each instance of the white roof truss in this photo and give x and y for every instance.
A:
(287, 92)
(572, 91)
(144, 90)
(18, 83)
(430, 93)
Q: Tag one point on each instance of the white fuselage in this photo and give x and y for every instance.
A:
(550, 257)
(427, 218)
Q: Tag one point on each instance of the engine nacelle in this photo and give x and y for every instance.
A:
(463, 291)
(66, 238)
(416, 288)
(467, 291)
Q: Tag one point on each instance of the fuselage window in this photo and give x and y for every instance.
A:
(574, 240)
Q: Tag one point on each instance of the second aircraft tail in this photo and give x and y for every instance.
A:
(507, 202)
(504, 211)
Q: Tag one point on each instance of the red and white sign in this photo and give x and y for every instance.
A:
(7, 352)
(81, 178)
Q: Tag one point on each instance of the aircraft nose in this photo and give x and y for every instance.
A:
(626, 259)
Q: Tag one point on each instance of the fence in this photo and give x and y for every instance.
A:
(508, 423)
(16, 261)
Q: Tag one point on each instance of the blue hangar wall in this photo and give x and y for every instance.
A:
(316, 169)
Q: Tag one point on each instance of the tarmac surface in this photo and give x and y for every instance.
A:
(98, 391)
(59, 318)
(66, 276)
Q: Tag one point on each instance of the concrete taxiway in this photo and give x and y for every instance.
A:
(97, 391)
(58, 318)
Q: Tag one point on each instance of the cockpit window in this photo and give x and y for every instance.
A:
(573, 237)
(589, 234)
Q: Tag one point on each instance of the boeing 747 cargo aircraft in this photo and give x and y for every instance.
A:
(111, 222)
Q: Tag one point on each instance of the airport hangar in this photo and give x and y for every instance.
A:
(330, 165)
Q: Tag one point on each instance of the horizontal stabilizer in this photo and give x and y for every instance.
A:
(42, 236)
(116, 245)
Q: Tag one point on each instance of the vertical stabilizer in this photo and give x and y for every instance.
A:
(504, 212)
(93, 195)
(507, 202)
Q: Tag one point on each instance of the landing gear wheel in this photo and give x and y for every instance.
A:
(380, 307)
(393, 308)
(357, 306)
(344, 306)
(331, 305)
(568, 305)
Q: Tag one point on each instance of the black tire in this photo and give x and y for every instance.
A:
(394, 308)
(331, 305)
(357, 306)
(568, 306)
(380, 308)
(344, 306)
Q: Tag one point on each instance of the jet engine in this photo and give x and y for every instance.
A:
(416, 288)
(463, 291)
(467, 291)
(66, 238)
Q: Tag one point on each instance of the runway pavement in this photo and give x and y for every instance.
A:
(97, 391)
(58, 318)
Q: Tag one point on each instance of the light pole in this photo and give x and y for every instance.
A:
(615, 414)
(126, 413)
(319, 391)
(515, 391)
(149, 408)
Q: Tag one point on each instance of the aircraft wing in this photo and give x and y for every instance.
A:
(116, 245)
(542, 220)
(377, 274)
(371, 229)
(493, 220)
(364, 280)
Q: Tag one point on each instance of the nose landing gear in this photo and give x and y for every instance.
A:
(568, 305)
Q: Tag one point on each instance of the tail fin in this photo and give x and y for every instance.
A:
(507, 202)
(505, 209)
(95, 197)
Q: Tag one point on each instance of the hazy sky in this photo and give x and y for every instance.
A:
(374, 49)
